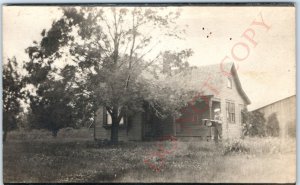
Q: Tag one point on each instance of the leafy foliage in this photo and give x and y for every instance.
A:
(106, 57)
(272, 127)
(56, 104)
(12, 95)
(254, 123)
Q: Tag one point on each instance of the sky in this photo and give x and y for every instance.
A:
(259, 40)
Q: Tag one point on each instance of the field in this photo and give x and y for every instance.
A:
(83, 160)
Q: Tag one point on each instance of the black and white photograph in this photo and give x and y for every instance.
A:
(202, 93)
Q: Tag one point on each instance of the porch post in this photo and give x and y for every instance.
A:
(174, 126)
(210, 106)
(210, 116)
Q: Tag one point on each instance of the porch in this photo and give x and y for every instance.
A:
(189, 125)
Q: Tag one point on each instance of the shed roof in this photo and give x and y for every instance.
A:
(277, 101)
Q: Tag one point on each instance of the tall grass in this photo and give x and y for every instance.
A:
(268, 160)
(271, 145)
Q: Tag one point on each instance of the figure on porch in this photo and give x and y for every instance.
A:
(217, 124)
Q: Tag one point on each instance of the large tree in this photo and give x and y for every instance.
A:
(12, 95)
(116, 56)
(56, 103)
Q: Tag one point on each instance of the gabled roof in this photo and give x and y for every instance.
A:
(207, 78)
(239, 85)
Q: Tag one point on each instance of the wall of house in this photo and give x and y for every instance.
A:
(134, 133)
(103, 133)
(231, 130)
(286, 114)
(167, 126)
(135, 127)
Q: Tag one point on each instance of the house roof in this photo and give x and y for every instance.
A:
(274, 102)
(210, 79)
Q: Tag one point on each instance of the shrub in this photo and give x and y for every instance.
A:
(254, 123)
(70, 132)
(272, 127)
(30, 134)
(235, 146)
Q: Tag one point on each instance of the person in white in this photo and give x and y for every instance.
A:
(218, 123)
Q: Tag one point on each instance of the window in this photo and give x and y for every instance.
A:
(230, 112)
(229, 83)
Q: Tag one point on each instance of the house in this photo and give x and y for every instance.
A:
(285, 110)
(217, 90)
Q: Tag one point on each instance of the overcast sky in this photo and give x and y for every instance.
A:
(267, 64)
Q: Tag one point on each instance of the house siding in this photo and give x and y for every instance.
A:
(134, 133)
(168, 126)
(135, 130)
(231, 130)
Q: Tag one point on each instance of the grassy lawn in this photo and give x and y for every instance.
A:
(54, 160)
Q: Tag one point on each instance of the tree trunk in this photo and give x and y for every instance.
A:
(114, 134)
(4, 135)
(114, 130)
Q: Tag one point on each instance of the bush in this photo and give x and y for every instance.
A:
(70, 132)
(254, 123)
(235, 146)
(29, 134)
(272, 127)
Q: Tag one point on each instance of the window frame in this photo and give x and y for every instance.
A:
(230, 112)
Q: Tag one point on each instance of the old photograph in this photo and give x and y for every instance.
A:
(149, 93)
